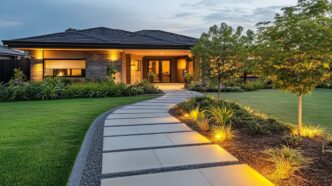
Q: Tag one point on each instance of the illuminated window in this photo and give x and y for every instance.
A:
(64, 68)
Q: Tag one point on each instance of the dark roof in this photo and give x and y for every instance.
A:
(4, 51)
(102, 37)
(168, 36)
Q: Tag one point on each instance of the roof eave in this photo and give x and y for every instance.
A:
(20, 44)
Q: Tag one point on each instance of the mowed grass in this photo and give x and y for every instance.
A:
(39, 140)
(317, 107)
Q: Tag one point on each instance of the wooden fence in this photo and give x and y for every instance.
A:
(7, 68)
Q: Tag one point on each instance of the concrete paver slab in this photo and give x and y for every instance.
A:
(193, 155)
(163, 128)
(147, 107)
(177, 178)
(129, 161)
(141, 115)
(137, 121)
(124, 111)
(110, 131)
(145, 129)
(137, 141)
(235, 175)
(187, 138)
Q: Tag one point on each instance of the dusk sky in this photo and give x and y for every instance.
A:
(24, 18)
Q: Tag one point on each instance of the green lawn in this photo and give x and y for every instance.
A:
(39, 140)
(317, 107)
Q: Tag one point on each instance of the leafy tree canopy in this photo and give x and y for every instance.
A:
(295, 50)
(220, 52)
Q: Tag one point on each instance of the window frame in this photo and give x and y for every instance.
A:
(57, 59)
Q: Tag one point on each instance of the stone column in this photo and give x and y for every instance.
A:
(36, 69)
(96, 65)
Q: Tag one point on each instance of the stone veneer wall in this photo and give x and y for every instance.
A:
(36, 69)
(97, 64)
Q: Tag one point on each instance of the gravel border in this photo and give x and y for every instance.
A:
(87, 166)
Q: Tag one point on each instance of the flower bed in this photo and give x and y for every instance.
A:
(262, 142)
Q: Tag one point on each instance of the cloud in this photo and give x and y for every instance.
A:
(182, 15)
(7, 23)
(241, 16)
(211, 3)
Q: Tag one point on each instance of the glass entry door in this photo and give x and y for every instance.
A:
(161, 70)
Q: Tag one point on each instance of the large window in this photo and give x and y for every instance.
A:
(64, 68)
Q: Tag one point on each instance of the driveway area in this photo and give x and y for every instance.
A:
(145, 146)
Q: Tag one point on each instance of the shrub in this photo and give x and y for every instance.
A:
(13, 92)
(18, 77)
(260, 115)
(310, 131)
(188, 105)
(222, 115)
(255, 122)
(111, 72)
(151, 77)
(254, 85)
(196, 114)
(146, 86)
(258, 123)
(203, 125)
(92, 89)
(188, 78)
(286, 161)
(329, 139)
(51, 88)
(292, 141)
(222, 133)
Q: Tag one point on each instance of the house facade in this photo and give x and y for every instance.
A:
(87, 54)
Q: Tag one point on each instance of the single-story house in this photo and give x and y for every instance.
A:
(86, 54)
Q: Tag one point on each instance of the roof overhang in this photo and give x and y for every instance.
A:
(21, 44)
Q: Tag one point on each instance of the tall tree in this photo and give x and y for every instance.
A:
(296, 48)
(248, 54)
(219, 52)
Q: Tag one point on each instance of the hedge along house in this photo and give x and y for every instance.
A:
(86, 54)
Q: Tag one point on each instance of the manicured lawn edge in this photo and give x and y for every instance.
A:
(80, 161)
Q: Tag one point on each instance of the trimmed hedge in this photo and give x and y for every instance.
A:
(236, 87)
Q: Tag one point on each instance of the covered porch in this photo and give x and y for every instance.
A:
(165, 66)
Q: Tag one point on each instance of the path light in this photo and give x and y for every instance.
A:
(186, 115)
(219, 136)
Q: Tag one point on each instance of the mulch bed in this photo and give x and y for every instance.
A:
(249, 149)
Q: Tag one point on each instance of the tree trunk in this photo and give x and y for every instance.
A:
(219, 89)
(299, 115)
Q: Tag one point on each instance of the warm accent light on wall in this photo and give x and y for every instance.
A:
(37, 72)
(38, 54)
(114, 55)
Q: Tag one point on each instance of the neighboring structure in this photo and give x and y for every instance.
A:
(86, 54)
(7, 53)
(11, 59)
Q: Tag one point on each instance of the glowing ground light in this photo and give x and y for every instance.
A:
(219, 136)
(186, 115)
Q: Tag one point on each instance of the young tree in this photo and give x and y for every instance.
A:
(219, 52)
(296, 48)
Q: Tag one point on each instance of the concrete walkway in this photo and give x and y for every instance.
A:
(145, 146)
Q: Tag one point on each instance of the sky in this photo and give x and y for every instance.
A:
(25, 18)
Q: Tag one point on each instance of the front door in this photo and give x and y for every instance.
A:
(161, 70)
